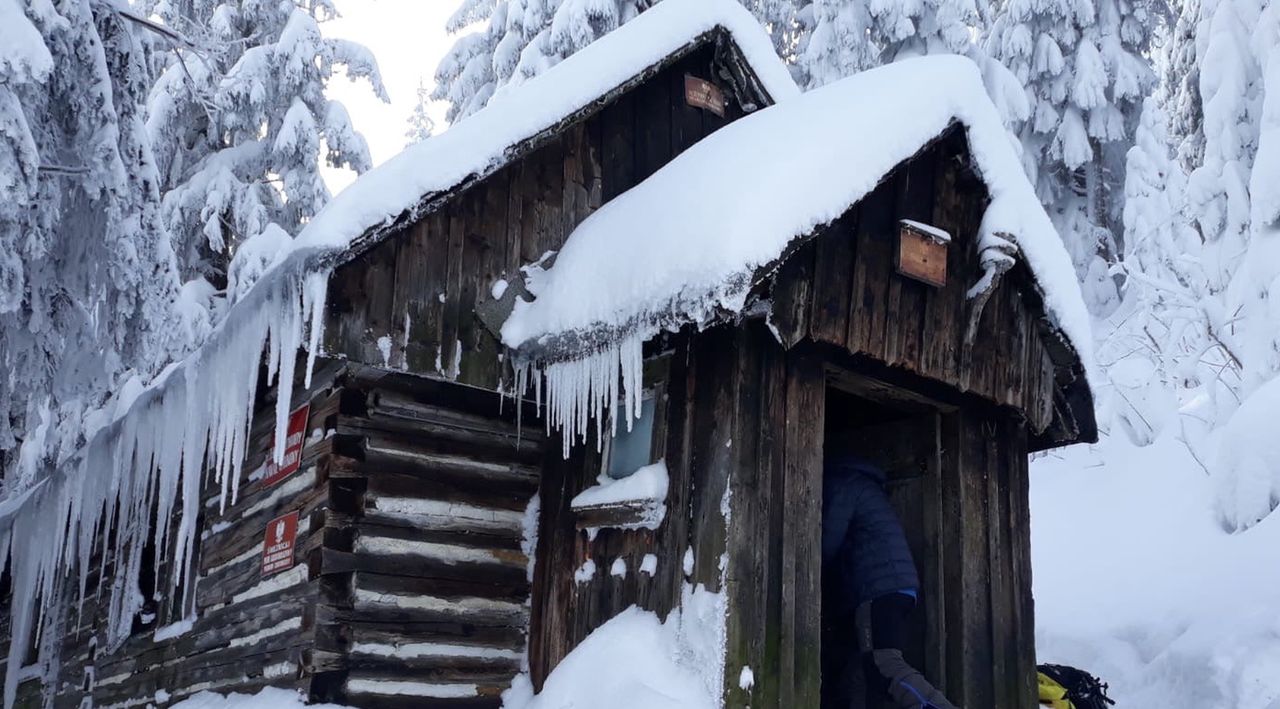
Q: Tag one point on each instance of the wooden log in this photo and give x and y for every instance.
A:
(377, 524)
(434, 576)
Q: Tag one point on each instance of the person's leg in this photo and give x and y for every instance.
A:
(889, 675)
(889, 615)
(888, 632)
(839, 649)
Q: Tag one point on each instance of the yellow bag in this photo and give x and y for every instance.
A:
(1052, 694)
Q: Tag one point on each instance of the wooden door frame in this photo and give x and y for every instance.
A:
(895, 396)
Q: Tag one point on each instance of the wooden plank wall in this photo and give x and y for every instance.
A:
(986, 543)
(250, 631)
(425, 570)
(773, 574)
(959, 481)
(420, 287)
(842, 288)
(567, 608)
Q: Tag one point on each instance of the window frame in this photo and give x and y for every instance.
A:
(654, 387)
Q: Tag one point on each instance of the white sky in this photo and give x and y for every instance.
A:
(408, 38)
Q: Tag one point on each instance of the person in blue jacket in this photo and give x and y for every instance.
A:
(866, 559)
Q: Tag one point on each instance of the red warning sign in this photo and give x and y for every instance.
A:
(294, 438)
(278, 543)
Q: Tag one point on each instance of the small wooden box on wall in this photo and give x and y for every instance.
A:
(922, 252)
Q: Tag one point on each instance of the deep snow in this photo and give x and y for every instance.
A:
(1136, 580)
(635, 661)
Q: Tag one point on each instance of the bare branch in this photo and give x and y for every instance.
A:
(63, 170)
(166, 32)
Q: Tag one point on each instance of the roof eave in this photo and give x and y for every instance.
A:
(744, 80)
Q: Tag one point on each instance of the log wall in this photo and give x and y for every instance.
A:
(412, 571)
(425, 571)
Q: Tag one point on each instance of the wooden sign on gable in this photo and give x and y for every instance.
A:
(701, 93)
(922, 253)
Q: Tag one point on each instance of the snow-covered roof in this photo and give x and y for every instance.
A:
(775, 176)
(483, 142)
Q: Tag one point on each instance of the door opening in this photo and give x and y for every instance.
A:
(902, 443)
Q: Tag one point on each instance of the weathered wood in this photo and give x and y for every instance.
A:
(801, 567)
(833, 281)
(871, 268)
(750, 532)
(792, 296)
(1022, 616)
(712, 455)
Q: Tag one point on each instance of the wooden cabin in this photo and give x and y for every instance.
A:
(419, 546)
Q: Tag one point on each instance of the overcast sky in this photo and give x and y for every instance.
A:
(408, 37)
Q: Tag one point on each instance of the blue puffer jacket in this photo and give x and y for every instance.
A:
(862, 538)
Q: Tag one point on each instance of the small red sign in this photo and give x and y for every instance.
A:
(295, 436)
(277, 544)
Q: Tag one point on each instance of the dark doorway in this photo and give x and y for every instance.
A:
(901, 438)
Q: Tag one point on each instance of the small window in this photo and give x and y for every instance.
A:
(628, 450)
(631, 450)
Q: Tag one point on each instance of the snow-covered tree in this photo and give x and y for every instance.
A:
(520, 39)
(420, 123)
(840, 37)
(1086, 70)
(87, 276)
(1174, 349)
(1202, 253)
(241, 123)
(824, 40)
(1181, 85)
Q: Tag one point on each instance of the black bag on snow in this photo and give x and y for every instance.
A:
(1083, 689)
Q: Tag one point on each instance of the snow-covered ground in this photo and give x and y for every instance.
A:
(1137, 582)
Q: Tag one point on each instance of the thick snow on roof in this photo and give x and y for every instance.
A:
(479, 143)
(687, 240)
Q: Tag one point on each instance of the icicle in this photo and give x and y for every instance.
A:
(588, 388)
(194, 420)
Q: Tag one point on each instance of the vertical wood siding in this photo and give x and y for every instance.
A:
(420, 287)
(842, 288)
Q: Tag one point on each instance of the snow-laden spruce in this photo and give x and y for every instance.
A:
(1086, 68)
(520, 40)
(241, 123)
(629, 270)
(86, 272)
